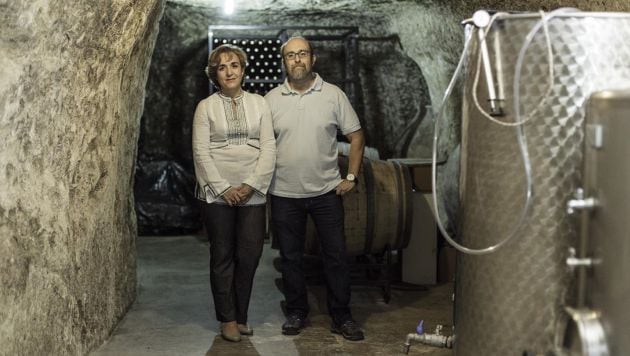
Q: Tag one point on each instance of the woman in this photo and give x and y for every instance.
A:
(234, 153)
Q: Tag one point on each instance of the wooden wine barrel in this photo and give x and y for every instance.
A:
(378, 211)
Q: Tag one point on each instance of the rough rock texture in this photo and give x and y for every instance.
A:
(73, 76)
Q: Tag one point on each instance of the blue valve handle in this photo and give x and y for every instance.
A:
(420, 327)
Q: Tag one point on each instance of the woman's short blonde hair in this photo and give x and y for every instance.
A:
(214, 59)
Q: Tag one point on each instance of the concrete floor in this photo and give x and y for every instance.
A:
(173, 313)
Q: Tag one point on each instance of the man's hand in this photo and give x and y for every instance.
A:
(344, 187)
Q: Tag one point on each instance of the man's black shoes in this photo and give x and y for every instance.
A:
(293, 325)
(349, 330)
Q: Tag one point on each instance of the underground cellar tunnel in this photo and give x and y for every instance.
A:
(91, 91)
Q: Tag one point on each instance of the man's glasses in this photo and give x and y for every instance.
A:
(292, 55)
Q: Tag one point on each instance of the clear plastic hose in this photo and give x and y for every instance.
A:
(517, 122)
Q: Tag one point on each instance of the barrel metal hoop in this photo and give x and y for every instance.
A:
(406, 200)
(368, 175)
(400, 194)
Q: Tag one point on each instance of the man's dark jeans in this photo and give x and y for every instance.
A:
(289, 217)
(236, 236)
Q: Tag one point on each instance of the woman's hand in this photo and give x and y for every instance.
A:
(238, 195)
(245, 192)
(232, 196)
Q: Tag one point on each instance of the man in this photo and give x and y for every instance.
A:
(306, 114)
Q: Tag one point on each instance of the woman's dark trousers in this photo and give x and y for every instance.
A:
(236, 236)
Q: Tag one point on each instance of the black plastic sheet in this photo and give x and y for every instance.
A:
(165, 202)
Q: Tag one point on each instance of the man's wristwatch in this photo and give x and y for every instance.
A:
(351, 178)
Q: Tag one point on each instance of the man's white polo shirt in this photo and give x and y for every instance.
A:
(305, 127)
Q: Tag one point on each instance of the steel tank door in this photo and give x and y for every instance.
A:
(602, 261)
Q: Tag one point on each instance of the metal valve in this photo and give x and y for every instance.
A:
(438, 329)
(573, 261)
(581, 203)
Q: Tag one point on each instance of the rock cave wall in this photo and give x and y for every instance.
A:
(71, 96)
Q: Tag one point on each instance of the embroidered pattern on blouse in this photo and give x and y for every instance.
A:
(236, 122)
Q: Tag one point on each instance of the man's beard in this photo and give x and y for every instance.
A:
(298, 73)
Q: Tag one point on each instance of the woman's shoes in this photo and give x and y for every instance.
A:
(230, 331)
(244, 329)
